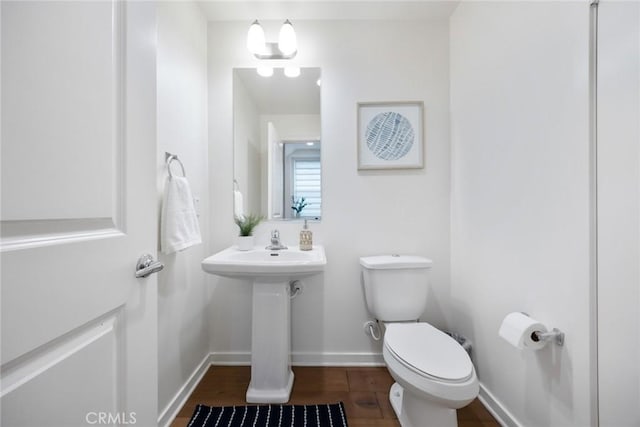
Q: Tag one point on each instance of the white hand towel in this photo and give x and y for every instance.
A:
(179, 227)
(238, 204)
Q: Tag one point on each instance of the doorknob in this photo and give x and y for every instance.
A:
(147, 266)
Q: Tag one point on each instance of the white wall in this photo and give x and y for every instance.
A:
(363, 213)
(182, 129)
(520, 200)
(292, 127)
(618, 213)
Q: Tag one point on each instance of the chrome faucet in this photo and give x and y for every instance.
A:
(275, 245)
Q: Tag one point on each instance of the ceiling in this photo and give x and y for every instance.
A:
(239, 10)
(279, 94)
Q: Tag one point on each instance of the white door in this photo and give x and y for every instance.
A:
(79, 206)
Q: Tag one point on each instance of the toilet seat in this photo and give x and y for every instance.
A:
(428, 352)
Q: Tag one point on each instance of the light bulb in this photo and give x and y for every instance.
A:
(265, 71)
(292, 71)
(287, 42)
(255, 38)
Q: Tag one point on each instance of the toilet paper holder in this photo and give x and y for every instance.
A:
(554, 335)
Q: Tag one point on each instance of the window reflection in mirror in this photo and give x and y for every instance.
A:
(277, 160)
(301, 166)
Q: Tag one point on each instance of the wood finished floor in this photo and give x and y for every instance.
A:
(364, 392)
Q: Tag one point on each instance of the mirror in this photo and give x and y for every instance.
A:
(276, 144)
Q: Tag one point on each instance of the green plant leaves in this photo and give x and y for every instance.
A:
(248, 223)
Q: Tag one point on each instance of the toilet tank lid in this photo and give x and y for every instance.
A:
(384, 262)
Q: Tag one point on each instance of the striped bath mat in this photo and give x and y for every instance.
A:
(326, 415)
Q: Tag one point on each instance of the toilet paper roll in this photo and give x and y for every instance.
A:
(518, 328)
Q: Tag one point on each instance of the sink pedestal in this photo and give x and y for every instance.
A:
(271, 272)
(271, 375)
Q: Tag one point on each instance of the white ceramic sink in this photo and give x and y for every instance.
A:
(260, 262)
(272, 273)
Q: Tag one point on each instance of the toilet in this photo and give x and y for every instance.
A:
(433, 373)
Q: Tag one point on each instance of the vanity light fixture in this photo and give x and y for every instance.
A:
(286, 48)
(292, 71)
(256, 41)
(287, 41)
(265, 71)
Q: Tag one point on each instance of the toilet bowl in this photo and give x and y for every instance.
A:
(433, 373)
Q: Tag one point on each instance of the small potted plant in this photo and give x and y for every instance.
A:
(298, 204)
(246, 224)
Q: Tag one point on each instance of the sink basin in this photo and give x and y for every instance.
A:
(260, 262)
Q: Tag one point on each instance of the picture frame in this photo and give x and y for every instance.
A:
(391, 135)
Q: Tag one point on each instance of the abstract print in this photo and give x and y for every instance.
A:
(389, 136)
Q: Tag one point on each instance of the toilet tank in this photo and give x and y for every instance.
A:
(395, 286)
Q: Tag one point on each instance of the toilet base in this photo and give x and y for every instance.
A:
(414, 412)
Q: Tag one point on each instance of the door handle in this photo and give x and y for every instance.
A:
(146, 266)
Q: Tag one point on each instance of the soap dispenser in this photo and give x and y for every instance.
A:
(306, 238)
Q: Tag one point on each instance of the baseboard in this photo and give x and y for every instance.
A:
(304, 359)
(171, 410)
(337, 359)
(225, 358)
(497, 409)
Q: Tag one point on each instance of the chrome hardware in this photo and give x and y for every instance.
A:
(147, 266)
(295, 288)
(372, 328)
(554, 335)
(275, 245)
(272, 51)
(168, 157)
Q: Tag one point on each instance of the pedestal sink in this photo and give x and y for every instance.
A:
(271, 273)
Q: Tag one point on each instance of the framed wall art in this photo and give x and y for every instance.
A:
(390, 135)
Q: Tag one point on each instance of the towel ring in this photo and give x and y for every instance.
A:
(170, 158)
